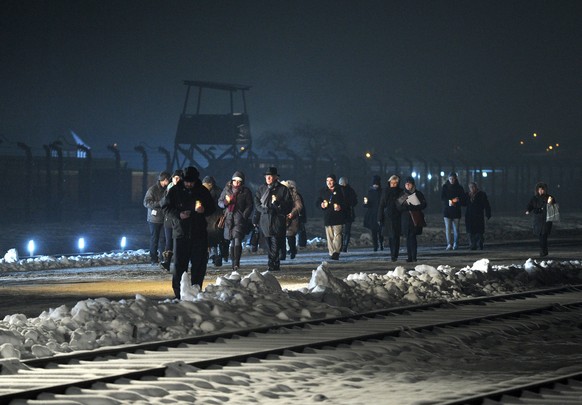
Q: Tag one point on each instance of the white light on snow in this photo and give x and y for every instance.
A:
(123, 242)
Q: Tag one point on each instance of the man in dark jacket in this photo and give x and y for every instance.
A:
(477, 207)
(331, 201)
(188, 206)
(272, 203)
(371, 203)
(538, 206)
(155, 216)
(351, 200)
(390, 217)
(451, 196)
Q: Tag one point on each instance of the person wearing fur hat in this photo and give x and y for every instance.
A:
(411, 203)
(332, 203)
(237, 201)
(371, 204)
(155, 215)
(188, 207)
(452, 194)
(538, 206)
(272, 204)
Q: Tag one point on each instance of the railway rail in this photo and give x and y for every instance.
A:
(85, 376)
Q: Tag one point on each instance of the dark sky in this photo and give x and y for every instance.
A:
(420, 75)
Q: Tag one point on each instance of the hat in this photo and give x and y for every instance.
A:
(343, 181)
(240, 176)
(271, 171)
(410, 180)
(191, 174)
(178, 172)
(376, 179)
(541, 184)
(164, 176)
(331, 176)
(209, 180)
(453, 174)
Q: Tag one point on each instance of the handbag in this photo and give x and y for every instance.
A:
(418, 218)
(220, 221)
(553, 213)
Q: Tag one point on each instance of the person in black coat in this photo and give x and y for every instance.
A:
(215, 237)
(331, 202)
(478, 207)
(451, 195)
(273, 202)
(538, 206)
(407, 203)
(237, 201)
(351, 200)
(389, 216)
(188, 206)
(371, 203)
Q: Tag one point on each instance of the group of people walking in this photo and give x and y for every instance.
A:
(206, 222)
(202, 222)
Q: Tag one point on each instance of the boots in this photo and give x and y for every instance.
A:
(166, 260)
(237, 252)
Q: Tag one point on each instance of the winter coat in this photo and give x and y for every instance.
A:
(180, 198)
(477, 208)
(330, 215)
(238, 211)
(271, 212)
(449, 192)
(152, 201)
(537, 206)
(351, 200)
(388, 213)
(371, 205)
(214, 233)
(408, 227)
(293, 223)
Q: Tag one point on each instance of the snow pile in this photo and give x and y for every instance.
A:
(258, 299)
(11, 261)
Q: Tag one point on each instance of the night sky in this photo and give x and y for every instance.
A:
(413, 76)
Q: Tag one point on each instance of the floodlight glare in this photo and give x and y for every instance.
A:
(81, 244)
(123, 242)
(31, 247)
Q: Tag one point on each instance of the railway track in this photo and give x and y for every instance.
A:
(123, 373)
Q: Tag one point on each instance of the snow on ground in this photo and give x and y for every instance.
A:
(403, 371)
(257, 299)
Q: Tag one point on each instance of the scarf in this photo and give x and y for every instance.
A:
(265, 196)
